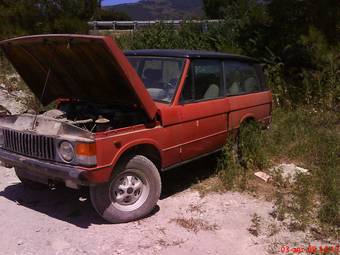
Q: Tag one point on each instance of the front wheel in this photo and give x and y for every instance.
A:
(131, 193)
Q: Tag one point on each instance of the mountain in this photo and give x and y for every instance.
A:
(161, 9)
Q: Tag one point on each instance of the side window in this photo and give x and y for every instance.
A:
(204, 81)
(240, 78)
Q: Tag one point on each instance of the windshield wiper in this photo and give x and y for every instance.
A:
(161, 101)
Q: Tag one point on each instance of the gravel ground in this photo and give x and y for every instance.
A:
(62, 221)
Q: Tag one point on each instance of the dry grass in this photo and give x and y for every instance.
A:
(261, 189)
(196, 208)
(195, 225)
(212, 184)
(255, 228)
(165, 243)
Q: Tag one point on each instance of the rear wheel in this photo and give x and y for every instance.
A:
(132, 192)
(27, 182)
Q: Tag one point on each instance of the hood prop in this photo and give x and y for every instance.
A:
(42, 96)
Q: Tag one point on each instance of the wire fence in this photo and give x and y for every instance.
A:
(134, 25)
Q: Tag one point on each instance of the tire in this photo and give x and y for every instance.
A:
(132, 192)
(29, 183)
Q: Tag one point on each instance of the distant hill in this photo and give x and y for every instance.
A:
(161, 9)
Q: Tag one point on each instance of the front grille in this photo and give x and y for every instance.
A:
(31, 145)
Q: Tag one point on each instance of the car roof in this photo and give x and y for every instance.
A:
(188, 54)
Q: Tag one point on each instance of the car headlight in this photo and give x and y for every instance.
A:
(66, 151)
(2, 139)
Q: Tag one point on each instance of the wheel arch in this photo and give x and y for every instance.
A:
(149, 149)
(247, 118)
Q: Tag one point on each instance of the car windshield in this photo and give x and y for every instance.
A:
(160, 75)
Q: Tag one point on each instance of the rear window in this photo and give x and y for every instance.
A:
(242, 77)
(205, 81)
(260, 72)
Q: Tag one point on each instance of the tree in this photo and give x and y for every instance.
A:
(291, 18)
(45, 16)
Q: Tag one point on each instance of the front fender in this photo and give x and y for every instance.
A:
(129, 146)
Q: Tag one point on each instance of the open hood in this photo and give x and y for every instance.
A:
(91, 68)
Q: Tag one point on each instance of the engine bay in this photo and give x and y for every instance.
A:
(95, 117)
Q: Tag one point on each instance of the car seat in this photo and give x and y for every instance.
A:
(250, 84)
(213, 91)
(235, 87)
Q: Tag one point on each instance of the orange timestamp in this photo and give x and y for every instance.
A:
(312, 249)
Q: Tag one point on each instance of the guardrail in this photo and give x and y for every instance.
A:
(133, 25)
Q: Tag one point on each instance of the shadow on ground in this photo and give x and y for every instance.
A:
(74, 206)
(182, 178)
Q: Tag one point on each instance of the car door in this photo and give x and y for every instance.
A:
(203, 109)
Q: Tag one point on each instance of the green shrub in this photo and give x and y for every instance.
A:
(250, 145)
(189, 36)
(310, 138)
(228, 168)
(240, 156)
(305, 136)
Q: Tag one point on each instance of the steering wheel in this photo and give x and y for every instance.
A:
(171, 85)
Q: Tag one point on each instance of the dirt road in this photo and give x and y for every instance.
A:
(62, 221)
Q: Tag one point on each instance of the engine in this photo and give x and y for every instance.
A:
(97, 117)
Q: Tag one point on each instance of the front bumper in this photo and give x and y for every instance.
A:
(43, 171)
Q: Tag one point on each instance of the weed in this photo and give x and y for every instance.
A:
(240, 156)
(255, 227)
(228, 167)
(302, 200)
(250, 145)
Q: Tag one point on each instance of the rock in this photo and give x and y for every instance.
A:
(289, 171)
(263, 176)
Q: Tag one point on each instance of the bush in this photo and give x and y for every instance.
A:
(189, 36)
(305, 136)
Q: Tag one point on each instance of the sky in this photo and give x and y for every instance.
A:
(113, 2)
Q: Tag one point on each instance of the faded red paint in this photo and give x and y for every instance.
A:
(180, 132)
(184, 131)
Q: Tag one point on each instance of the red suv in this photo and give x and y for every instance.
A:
(122, 118)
